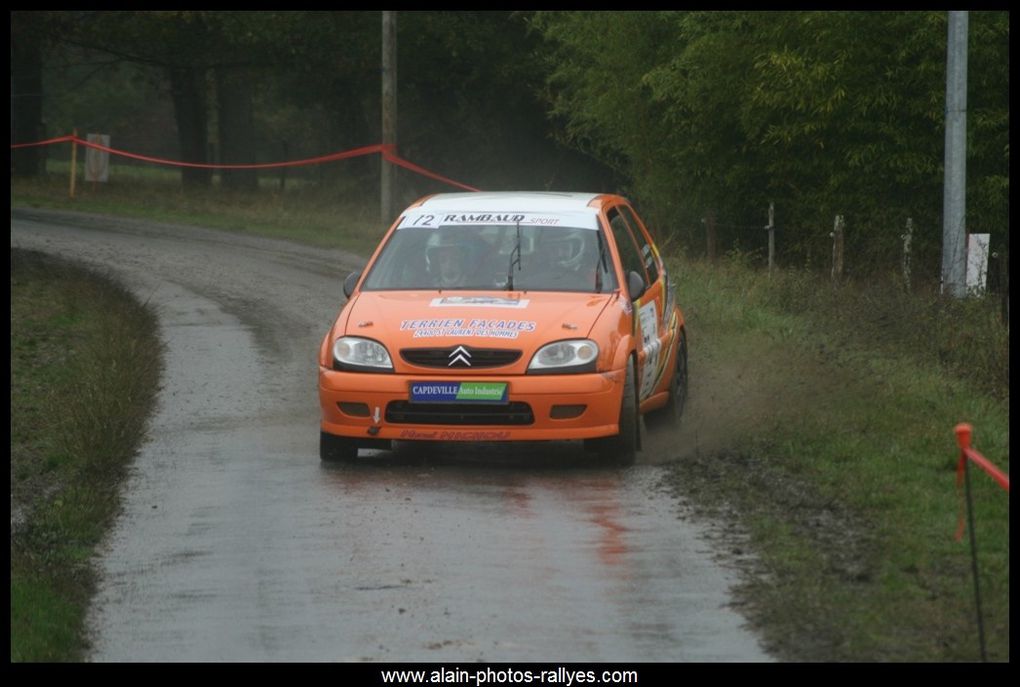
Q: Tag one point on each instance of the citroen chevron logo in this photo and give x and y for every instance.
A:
(460, 355)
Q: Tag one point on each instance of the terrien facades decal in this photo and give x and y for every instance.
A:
(464, 327)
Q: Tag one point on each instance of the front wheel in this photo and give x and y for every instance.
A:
(334, 449)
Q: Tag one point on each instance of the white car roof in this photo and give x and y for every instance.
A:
(527, 209)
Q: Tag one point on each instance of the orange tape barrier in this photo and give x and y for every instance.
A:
(964, 434)
(388, 151)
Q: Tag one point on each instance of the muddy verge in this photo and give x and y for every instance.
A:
(718, 463)
(734, 490)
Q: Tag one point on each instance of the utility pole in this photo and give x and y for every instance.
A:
(954, 194)
(388, 182)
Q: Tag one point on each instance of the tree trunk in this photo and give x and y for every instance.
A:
(26, 101)
(188, 87)
(236, 127)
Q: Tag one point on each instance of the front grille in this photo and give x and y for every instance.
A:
(460, 357)
(406, 413)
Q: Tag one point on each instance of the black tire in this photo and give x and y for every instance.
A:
(622, 448)
(670, 414)
(334, 449)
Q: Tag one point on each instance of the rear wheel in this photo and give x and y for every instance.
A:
(334, 449)
(622, 448)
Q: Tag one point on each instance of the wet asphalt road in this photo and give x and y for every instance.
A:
(236, 544)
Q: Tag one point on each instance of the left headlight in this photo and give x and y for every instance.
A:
(564, 357)
(352, 353)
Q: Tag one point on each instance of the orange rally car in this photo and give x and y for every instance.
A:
(505, 317)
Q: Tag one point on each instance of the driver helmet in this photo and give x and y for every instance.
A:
(448, 257)
(565, 248)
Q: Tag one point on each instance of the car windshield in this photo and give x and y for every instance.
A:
(494, 256)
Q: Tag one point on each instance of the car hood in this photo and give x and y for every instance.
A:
(522, 321)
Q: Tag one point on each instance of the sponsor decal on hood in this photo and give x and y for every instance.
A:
(401, 319)
(468, 328)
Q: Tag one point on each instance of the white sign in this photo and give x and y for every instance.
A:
(97, 162)
(479, 302)
(977, 262)
(650, 343)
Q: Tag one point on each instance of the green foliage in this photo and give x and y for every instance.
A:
(964, 338)
(597, 67)
(823, 113)
(692, 113)
(45, 622)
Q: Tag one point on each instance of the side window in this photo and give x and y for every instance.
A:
(647, 255)
(625, 243)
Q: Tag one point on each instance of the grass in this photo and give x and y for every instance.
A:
(332, 217)
(846, 485)
(823, 425)
(84, 374)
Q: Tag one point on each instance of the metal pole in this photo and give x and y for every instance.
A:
(389, 112)
(974, 559)
(772, 236)
(954, 195)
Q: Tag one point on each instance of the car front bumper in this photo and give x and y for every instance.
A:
(371, 406)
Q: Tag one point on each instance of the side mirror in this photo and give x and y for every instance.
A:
(636, 285)
(350, 282)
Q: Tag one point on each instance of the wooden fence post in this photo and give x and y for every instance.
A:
(771, 228)
(907, 238)
(710, 235)
(283, 170)
(74, 162)
(1002, 261)
(1004, 280)
(837, 248)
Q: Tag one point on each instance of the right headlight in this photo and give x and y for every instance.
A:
(355, 354)
(565, 357)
